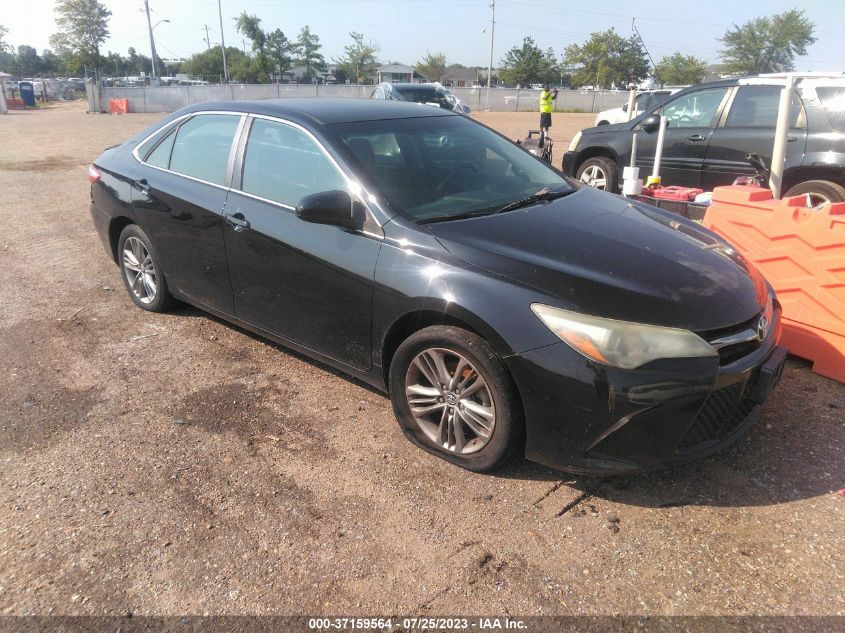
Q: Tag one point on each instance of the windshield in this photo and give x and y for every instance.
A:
(427, 95)
(444, 166)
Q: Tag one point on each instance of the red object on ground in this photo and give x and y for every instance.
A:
(118, 106)
(675, 193)
(802, 253)
(15, 104)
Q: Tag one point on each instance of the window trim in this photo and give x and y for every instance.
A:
(184, 119)
(351, 182)
(723, 118)
(718, 116)
(236, 156)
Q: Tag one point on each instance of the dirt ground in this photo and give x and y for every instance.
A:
(172, 464)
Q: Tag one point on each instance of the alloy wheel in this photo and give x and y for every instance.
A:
(595, 177)
(450, 400)
(139, 270)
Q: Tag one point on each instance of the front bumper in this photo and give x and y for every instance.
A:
(588, 418)
(569, 162)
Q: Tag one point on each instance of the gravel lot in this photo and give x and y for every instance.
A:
(170, 464)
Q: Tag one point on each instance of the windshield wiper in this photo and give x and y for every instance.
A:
(545, 193)
(459, 216)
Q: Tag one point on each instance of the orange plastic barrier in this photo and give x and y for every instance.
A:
(802, 254)
(118, 106)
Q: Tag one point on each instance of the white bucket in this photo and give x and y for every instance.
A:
(630, 173)
(632, 187)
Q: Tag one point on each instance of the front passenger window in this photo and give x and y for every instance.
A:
(283, 164)
(695, 109)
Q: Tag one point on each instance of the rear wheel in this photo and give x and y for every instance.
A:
(599, 172)
(820, 192)
(453, 397)
(141, 270)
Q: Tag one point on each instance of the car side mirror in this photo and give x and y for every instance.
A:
(650, 123)
(624, 107)
(334, 208)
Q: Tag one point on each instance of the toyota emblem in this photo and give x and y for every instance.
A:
(763, 327)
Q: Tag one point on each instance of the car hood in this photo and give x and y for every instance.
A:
(611, 127)
(600, 254)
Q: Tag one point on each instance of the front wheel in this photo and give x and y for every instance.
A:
(600, 173)
(453, 397)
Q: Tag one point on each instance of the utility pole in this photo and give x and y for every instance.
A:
(207, 39)
(152, 40)
(222, 42)
(490, 64)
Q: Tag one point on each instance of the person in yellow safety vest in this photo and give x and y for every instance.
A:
(547, 98)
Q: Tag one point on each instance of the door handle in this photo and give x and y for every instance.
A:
(237, 221)
(791, 139)
(143, 185)
(695, 138)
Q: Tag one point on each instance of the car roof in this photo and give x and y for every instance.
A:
(325, 111)
(407, 84)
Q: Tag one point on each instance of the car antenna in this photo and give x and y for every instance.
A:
(642, 41)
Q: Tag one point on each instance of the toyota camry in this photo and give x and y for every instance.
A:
(504, 308)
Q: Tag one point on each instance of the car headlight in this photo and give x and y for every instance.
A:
(573, 144)
(620, 343)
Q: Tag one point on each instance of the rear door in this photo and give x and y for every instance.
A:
(179, 200)
(692, 119)
(748, 126)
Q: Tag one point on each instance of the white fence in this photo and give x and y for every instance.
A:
(170, 98)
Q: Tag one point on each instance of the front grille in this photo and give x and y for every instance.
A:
(730, 353)
(723, 412)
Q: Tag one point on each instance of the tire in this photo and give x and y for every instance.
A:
(602, 123)
(600, 173)
(449, 430)
(820, 191)
(148, 291)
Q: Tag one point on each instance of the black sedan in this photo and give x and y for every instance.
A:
(503, 307)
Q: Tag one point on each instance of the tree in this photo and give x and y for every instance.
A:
(250, 26)
(279, 51)
(83, 27)
(433, 66)
(307, 47)
(767, 44)
(50, 62)
(359, 59)
(528, 65)
(606, 58)
(28, 62)
(3, 33)
(208, 64)
(679, 69)
(137, 63)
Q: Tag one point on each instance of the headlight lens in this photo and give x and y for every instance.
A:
(620, 343)
(573, 144)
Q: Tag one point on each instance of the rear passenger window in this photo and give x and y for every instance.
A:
(283, 164)
(160, 156)
(202, 144)
(757, 106)
(833, 101)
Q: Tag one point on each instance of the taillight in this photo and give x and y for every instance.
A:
(93, 174)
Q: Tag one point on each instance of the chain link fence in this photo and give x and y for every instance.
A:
(170, 98)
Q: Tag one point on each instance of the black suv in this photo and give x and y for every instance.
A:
(713, 126)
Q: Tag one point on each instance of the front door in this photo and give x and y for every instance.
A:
(179, 199)
(692, 119)
(309, 283)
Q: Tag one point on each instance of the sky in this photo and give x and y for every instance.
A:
(405, 30)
